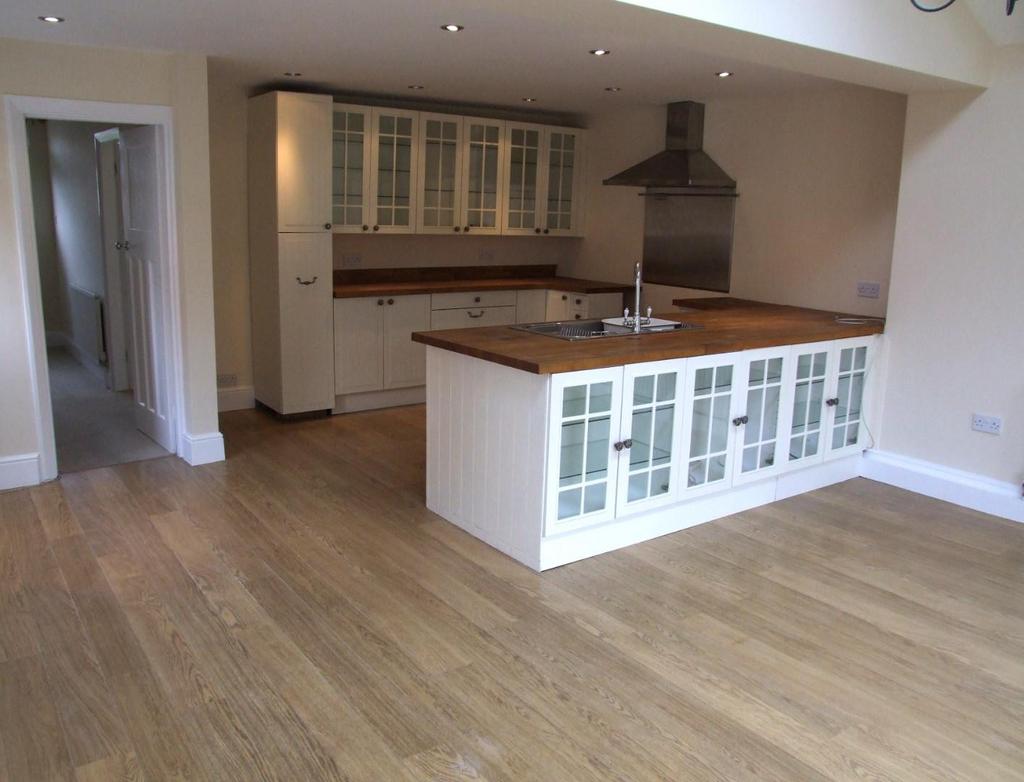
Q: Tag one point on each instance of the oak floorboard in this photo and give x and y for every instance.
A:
(295, 613)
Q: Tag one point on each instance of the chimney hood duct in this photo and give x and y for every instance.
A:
(689, 207)
(684, 165)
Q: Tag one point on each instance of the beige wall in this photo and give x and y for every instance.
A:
(956, 320)
(175, 80)
(818, 177)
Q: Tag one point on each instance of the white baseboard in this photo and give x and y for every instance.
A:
(235, 398)
(19, 470)
(376, 400)
(199, 449)
(970, 490)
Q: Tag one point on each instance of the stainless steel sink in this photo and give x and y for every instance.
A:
(596, 329)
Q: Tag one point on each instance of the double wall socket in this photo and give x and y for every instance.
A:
(990, 424)
(869, 290)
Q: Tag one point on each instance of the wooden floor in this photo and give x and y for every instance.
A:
(295, 613)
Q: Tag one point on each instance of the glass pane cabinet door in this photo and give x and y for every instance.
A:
(393, 207)
(849, 398)
(562, 162)
(586, 418)
(808, 405)
(521, 208)
(760, 430)
(482, 176)
(710, 391)
(350, 180)
(647, 463)
(439, 173)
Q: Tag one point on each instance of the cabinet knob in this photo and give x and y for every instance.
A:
(547, 230)
(536, 230)
(391, 301)
(832, 402)
(456, 229)
(578, 316)
(380, 302)
(579, 301)
(327, 226)
(476, 299)
(376, 228)
(466, 229)
(565, 298)
(366, 228)
(740, 421)
(627, 444)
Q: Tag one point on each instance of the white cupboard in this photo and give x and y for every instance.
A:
(352, 160)
(393, 187)
(482, 187)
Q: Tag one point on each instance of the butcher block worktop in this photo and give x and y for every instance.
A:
(728, 325)
(354, 283)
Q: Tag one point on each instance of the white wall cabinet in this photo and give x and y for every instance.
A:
(352, 160)
(543, 167)
(483, 186)
(373, 347)
(393, 186)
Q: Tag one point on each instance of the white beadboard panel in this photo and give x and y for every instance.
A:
(486, 433)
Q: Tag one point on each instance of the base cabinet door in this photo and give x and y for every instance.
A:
(851, 362)
(582, 460)
(765, 406)
(358, 345)
(807, 380)
(651, 434)
(709, 432)
(405, 361)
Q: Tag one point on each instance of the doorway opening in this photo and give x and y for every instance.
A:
(97, 230)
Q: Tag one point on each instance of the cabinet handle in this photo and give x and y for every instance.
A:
(327, 226)
(391, 301)
(479, 315)
(565, 298)
(547, 231)
(380, 302)
(832, 402)
(578, 316)
(456, 229)
(476, 299)
(465, 230)
(627, 444)
(536, 230)
(376, 228)
(619, 446)
(301, 281)
(740, 421)
(366, 228)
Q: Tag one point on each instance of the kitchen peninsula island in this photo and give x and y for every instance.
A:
(553, 450)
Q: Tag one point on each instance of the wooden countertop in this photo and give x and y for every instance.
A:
(346, 290)
(729, 325)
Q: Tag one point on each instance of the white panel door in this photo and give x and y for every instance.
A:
(851, 365)
(652, 416)
(142, 213)
(765, 405)
(393, 175)
(303, 162)
(350, 172)
(807, 380)
(358, 345)
(440, 175)
(307, 321)
(483, 171)
(711, 403)
(582, 460)
(405, 361)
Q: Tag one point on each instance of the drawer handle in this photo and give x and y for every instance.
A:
(628, 443)
(476, 299)
(740, 421)
(478, 315)
(301, 281)
(832, 402)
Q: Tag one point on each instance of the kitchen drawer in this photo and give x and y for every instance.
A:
(472, 317)
(474, 299)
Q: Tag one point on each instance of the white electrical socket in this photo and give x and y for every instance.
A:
(989, 424)
(869, 290)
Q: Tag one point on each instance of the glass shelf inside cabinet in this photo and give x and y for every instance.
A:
(585, 442)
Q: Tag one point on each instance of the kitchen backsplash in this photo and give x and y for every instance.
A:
(352, 251)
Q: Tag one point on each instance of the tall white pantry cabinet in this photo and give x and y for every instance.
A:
(290, 251)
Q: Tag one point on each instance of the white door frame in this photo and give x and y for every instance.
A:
(19, 108)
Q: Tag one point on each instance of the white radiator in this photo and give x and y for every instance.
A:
(87, 325)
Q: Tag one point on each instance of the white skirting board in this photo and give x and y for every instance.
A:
(19, 470)
(197, 449)
(969, 490)
(375, 400)
(235, 398)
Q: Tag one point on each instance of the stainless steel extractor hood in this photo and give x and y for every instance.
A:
(690, 207)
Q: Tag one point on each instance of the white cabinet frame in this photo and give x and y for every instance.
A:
(458, 195)
(467, 142)
(368, 161)
(754, 411)
(804, 407)
(375, 183)
(836, 385)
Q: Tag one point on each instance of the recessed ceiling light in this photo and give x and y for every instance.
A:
(51, 19)
(600, 52)
(723, 74)
(529, 100)
(613, 89)
(292, 74)
(415, 86)
(453, 28)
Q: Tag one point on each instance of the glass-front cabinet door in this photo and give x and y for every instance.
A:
(649, 467)
(523, 170)
(808, 372)
(440, 172)
(846, 432)
(761, 422)
(350, 174)
(563, 162)
(482, 184)
(582, 460)
(708, 435)
(393, 173)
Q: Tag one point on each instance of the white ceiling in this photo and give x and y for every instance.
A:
(509, 49)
